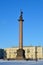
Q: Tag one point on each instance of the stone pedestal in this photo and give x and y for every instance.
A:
(20, 54)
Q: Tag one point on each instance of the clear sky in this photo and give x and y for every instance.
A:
(9, 25)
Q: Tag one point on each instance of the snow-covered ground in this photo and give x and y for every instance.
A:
(21, 62)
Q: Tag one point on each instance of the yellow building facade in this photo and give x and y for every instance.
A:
(31, 52)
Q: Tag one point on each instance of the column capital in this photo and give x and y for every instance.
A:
(21, 16)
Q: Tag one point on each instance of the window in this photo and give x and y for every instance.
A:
(28, 51)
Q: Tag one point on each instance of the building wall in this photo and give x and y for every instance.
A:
(42, 52)
(1, 53)
(39, 52)
(31, 52)
(11, 53)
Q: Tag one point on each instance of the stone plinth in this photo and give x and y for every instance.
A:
(20, 54)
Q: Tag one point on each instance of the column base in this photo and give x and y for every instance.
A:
(20, 54)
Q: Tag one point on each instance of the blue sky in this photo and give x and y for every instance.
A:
(9, 25)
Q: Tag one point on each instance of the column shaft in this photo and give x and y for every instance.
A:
(21, 35)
